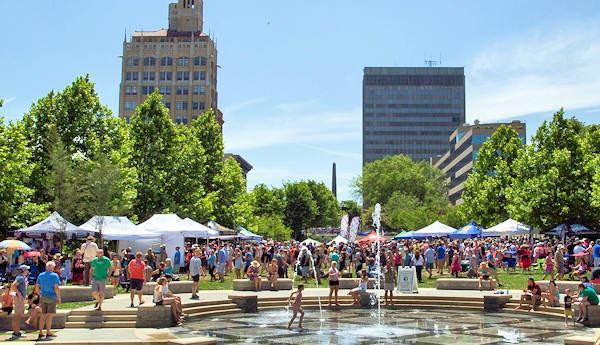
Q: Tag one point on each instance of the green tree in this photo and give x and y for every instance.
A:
(485, 196)
(208, 132)
(268, 202)
(328, 209)
(154, 143)
(352, 208)
(63, 187)
(17, 206)
(454, 216)
(402, 178)
(301, 209)
(552, 183)
(273, 227)
(234, 206)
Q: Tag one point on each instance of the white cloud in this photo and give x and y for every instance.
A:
(536, 72)
(292, 123)
(242, 105)
(9, 100)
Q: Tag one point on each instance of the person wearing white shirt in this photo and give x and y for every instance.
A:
(89, 250)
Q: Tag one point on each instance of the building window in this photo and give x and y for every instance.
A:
(149, 61)
(181, 120)
(181, 105)
(130, 105)
(199, 90)
(131, 76)
(202, 61)
(196, 75)
(194, 117)
(167, 105)
(146, 90)
(131, 90)
(166, 75)
(197, 61)
(183, 61)
(166, 61)
(182, 90)
(202, 75)
(149, 76)
(132, 61)
(195, 105)
(183, 75)
(164, 90)
(128, 119)
(201, 106)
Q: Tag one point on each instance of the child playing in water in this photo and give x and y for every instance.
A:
(568, 307)
(296, 306)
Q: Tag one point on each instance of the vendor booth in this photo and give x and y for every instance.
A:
(372, 237)
(470, 230)
(246, 235)
(436, 229)
(54, 224)
(509, 227)
(339, 239)
(117, 229)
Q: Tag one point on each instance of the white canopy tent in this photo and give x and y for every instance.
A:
(170, 228)
(338, 239)
(509, 227)
(117, 228)
(198, 230)
(54, 224)
(310, 240)
(436, 229)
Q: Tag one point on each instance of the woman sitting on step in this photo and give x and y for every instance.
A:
(362, 287)
(161, 297)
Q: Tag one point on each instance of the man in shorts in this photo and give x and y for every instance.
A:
(221, 262)
(195, 267)
(99, 271)
(429, 260)
(137, 277)
(47, 286)
(19, 286)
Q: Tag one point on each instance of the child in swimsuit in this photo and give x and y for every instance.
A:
(296, 306)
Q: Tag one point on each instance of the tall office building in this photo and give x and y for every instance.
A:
(179, 62)
(465, 143)
(411, 110)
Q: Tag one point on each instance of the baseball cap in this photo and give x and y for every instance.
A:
(23, 268)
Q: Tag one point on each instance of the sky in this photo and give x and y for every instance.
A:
(290, 82)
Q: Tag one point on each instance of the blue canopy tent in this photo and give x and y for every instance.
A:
(246, 235)
(470, 230)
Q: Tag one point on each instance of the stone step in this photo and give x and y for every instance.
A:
(109, 324)
(192, 303)
(213, 313)
(128, 311)
(194, 310)
(100, 318)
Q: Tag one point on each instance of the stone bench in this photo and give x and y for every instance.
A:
(179, 287)
(247, 303)
(593, 314)
(463, 284)
(82, 293)
(367, 299)
(248, 285)
(351, 283)
(58, 321)
(563, 285)
(493, 304)
(154, 316)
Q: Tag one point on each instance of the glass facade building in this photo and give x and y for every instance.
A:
(465, 143)
(411, 110)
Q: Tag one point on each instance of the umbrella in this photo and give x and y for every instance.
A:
(32, 254)
(14, 244)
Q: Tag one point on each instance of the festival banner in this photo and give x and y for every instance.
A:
(344, 226)
(354, 228)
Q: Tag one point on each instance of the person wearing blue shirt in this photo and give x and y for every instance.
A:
(211, 265)
(47, 286)
(176, 260)
(440, 256)
(20, 287)
(221, 262)
(596, 250)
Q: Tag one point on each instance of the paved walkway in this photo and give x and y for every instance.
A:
(121, 302)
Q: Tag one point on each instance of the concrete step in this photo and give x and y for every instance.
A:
(100, 318)
(128, 311)
(212, 313)
(207, 308)
(192, 303)
(109, 324)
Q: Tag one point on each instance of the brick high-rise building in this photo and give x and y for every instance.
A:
(179, 62)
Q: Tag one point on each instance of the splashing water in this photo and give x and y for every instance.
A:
(304, 249)
(376, 216)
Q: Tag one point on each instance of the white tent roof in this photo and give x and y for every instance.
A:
(117, 228)
(55, 223)
(509, 227)
(310, 240)
(338, 239)
(164, 223)
(195, 229)
(436, 229)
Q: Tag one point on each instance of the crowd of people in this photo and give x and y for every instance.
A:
(95, 266)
